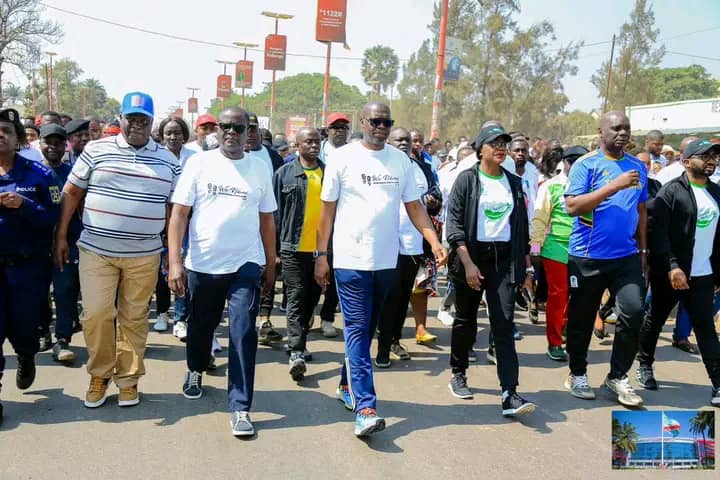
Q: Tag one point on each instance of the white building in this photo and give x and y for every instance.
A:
(690, 116)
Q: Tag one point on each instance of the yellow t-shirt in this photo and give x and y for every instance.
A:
(308, 238)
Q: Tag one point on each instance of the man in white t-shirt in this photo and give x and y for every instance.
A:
(205, 127)
(363, 188)
(684, 261)
(231, 198)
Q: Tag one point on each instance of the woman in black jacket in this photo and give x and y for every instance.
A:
(487, 230)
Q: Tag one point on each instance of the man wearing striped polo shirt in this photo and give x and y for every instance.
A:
(126, 182)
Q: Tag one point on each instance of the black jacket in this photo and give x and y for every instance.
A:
(673, 234)
(290, 187)
(461, 223)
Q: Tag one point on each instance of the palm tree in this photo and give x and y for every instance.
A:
(12, 93)
(380, 67)
(704, 421)
(625, 437)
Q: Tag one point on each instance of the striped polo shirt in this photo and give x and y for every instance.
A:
(127, 192)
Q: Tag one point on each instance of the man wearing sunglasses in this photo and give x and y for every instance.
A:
(126, 182)
(363, 188)
(231, 235)
(685, 261)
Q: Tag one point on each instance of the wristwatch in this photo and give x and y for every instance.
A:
(317, 254)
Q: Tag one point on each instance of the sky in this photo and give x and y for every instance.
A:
(649, 423)
(125, 60)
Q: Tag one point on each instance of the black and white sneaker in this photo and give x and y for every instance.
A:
(646, 378)
(715, 398)
(513, 405)
(241, 424)
(459, 388)
(192, 386)
(297, 366)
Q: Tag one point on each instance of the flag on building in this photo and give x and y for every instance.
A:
(670, 425)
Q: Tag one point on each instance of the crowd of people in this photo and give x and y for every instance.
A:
(110, 215)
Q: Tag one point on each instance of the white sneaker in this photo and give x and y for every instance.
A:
(446, 317)
(328, 329)
(161, 323)
(180, 330)
(216, 347)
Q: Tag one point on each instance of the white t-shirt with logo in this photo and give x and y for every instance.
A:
(411, 240)
(226, 196)
(707, 220)
(369, 187)
(494, 209)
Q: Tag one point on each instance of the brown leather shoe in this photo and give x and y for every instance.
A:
(685, 346)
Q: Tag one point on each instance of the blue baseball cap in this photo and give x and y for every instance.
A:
(137, 102)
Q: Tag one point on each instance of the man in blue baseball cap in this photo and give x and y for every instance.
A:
(120, 245)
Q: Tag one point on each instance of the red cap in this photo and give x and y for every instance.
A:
(337, 117)
(205, 118)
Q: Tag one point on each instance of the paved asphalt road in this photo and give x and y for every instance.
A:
(304, 432)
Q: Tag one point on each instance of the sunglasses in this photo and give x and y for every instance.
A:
(238, 128)
(339, 127)
(139, 120)
(377, 122)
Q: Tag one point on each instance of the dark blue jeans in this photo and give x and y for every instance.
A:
(23, 304)
(66, 290)
(207, 296)
(362, 295)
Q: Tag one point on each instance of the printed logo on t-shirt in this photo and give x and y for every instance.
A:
(386, 179)
(497, 210)
(705, 217)
(227, 190)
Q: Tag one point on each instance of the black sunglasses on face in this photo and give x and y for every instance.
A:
(238, 128)
(376, 122)
(339, 127)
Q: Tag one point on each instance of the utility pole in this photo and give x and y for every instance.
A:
(34, 95)
(245, 46)
(277, 17)
(609, 77)
(50, 81)
(435, 129)
(326, 85)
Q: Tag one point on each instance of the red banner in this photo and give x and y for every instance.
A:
(330, 25)
(178, 113)
(224, 86)
(275, 49)
(192, 105)
(294, 124)
(244, 74)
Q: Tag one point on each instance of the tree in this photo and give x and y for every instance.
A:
(380, 68)
(568, 127)
(636, 52)
(682, 83)
(22, 30)
(299, 95)
(626, 438)
(71, 95)
(509, 74)
(13, 93)
(704, 421)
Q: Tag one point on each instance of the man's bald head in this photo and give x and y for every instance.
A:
(375, 107)
(303, 132)
(613, 116)
(687, 141)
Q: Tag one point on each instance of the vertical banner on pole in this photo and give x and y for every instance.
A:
(224, 86)
(275, 51)
(178, 113)
(330, 24)
(244, 74)
(192, 105)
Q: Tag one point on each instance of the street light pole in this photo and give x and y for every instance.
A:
(224, 63)
(50, 81)
(192, 95)
(244, 46)
(277, 17)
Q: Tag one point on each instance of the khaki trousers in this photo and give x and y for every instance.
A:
(116, 295)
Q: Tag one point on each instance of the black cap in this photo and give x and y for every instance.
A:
(699, 147)
(490, 134)
(282, 145)
(10, 115)
(253, 120)
(573, 153)
(442, 153)
(74, 126)
(52, 129)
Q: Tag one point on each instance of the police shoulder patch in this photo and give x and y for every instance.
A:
(54, 193)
